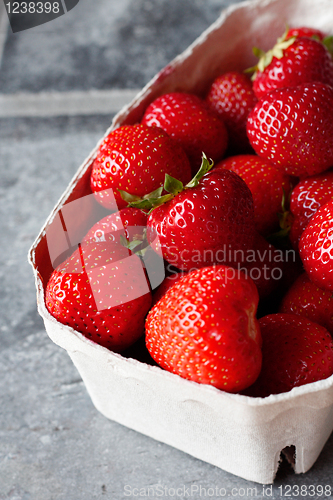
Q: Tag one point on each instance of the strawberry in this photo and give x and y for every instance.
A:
(128, 228)
(293, 128)
(209, 221)
(306, 299)
(204, 329)
(306, 198)
(295, 351)
(268, 185)
(232, 97)
(101, 290)
(129, 221)
(135, 158)
(292, 62)
(190, 121)
(305, 32)
(316, 247)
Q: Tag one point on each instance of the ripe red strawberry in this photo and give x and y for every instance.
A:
(189, 120)
(293, 62)
(306, 299)
(306, 198)
(293, 128)
(306, 32)
(128, 227)
(232, 97)
(204, 329)
(209, 221)
(295, 352)
(268, 185)
(316, 247)
(129, 221)
(101, 290)
(135, 159)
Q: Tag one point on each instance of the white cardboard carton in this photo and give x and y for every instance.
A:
(242, 435)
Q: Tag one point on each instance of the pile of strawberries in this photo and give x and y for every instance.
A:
(219, 242)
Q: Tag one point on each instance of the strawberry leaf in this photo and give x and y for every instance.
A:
(146, 202)
(124, 241)
(172, 185)
(258, 52)
(131, 245)
(154, 194)
(253, 69)
(206, 166)
(162, 199)
(129, 198)
(328, 42)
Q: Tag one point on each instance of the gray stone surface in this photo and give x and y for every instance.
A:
(38, 159)
(104, 44)
(54, 445)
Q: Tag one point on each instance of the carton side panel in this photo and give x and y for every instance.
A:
(240, 446)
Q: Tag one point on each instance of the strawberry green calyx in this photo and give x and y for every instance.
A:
(171, 185)
(205, 167)
(131, 245)
(265, 58)
(328, 42)
(134, 244)
(144, 203)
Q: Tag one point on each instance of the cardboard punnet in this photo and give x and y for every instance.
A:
(242, 435)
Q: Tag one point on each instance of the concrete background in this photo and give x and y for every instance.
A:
(53, 443)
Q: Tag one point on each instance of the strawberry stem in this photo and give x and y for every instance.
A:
(203, 170)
